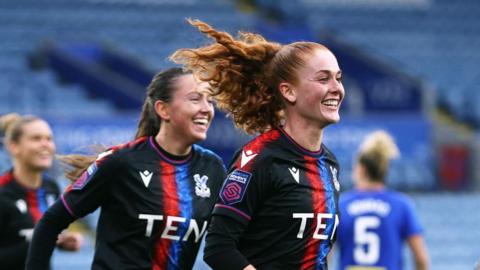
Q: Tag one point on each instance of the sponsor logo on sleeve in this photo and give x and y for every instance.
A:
(235, 186)
(85, 177)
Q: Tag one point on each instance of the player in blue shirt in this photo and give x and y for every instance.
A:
(375, 220)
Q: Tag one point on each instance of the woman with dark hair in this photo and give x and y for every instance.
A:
(376, 221)
(278, 206)
(25, 191)
(155, 193)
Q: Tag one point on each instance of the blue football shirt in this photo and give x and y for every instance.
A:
(373, 227)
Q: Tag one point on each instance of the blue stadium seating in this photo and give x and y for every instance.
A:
(150, 31)
(437, 41)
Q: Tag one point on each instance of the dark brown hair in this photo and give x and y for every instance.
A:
(161, 88)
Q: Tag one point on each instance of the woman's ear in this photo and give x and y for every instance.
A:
(288, 91)
(162, 110)
(12, 148)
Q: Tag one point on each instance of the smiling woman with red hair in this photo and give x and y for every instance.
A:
(278, 205)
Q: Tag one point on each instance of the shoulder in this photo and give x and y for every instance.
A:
(8, 197)
(259, 150)
(207, 161)
(7, 205)
(5, 200)
(401, 200)
(122, 153)
(8, 186)
(264, 142)
(6, 178)
(348, 196)
(398, 196)
(129, 147)
(329, 154)
(207, 154)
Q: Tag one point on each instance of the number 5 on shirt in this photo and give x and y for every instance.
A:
(367, 242)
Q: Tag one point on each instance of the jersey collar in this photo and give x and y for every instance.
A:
(170, 158)
(315, 154)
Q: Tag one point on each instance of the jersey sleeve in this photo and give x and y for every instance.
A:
(243, 190)
(412, 224)
(91, 189)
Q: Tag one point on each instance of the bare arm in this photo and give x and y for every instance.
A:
(419, 251)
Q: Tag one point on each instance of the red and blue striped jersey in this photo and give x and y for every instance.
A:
(20, 209)
(286, 198)
(154, 206)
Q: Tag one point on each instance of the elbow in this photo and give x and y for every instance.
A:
(223, 257)
(212, 256)
(422, 264)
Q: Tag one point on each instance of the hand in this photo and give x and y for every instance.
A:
(249, 267)
(70, 241)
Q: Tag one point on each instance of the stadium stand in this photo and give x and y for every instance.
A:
(433, 41)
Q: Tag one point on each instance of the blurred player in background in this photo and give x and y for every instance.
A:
(25, 192)
(155, 193)
(376, 220)
(278, 205)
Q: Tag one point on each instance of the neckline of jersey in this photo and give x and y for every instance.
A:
(168, 157)
(315, 154)
(18, 185)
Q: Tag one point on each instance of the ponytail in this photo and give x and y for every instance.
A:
(160, 88)
(149, 122)
(75, 165)
(375, 154)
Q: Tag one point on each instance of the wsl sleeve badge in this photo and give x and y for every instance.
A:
(85, 177)
(234, 187)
